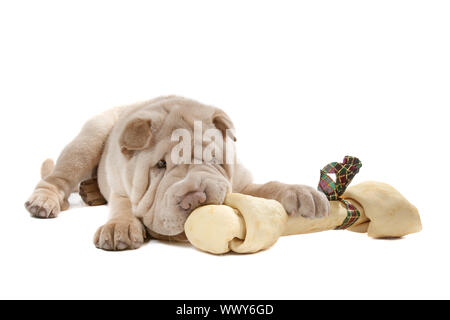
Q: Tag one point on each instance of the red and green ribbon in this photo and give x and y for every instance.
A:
(345, 172)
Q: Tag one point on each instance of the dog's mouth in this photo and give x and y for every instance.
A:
(181, 237)
(165, 220)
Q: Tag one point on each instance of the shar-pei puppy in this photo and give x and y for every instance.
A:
(155, 162)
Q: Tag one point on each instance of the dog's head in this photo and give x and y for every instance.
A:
(179, 155)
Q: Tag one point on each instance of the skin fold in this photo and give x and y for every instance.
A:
(149, 194)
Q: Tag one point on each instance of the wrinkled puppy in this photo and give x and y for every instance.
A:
(136, 152)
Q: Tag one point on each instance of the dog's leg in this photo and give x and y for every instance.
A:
(296, 199)
(123, 230)
(76, 162)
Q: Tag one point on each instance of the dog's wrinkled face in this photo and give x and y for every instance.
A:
(163, 189)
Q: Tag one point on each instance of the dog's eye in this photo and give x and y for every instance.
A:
(161, 164)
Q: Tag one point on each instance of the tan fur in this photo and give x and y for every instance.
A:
(126, 143)
(47, 168)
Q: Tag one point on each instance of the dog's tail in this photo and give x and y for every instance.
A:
(47, 168)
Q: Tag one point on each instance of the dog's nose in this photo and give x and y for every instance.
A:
(192, 200)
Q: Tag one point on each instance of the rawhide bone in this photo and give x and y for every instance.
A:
(247, 224)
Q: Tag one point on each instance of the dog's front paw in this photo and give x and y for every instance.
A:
(46, 201)
(120, 234)
(304, 201)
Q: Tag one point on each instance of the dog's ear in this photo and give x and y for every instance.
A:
(137, 135)
(222, 122)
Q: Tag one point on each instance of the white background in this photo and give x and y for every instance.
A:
(306, 83)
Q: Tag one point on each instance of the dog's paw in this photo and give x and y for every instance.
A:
(304, 201)
(120, 234)
(46, 203)
(90, 193)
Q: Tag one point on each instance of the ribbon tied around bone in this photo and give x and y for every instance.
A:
(333, 190)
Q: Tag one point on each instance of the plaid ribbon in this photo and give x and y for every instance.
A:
(345, 173)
